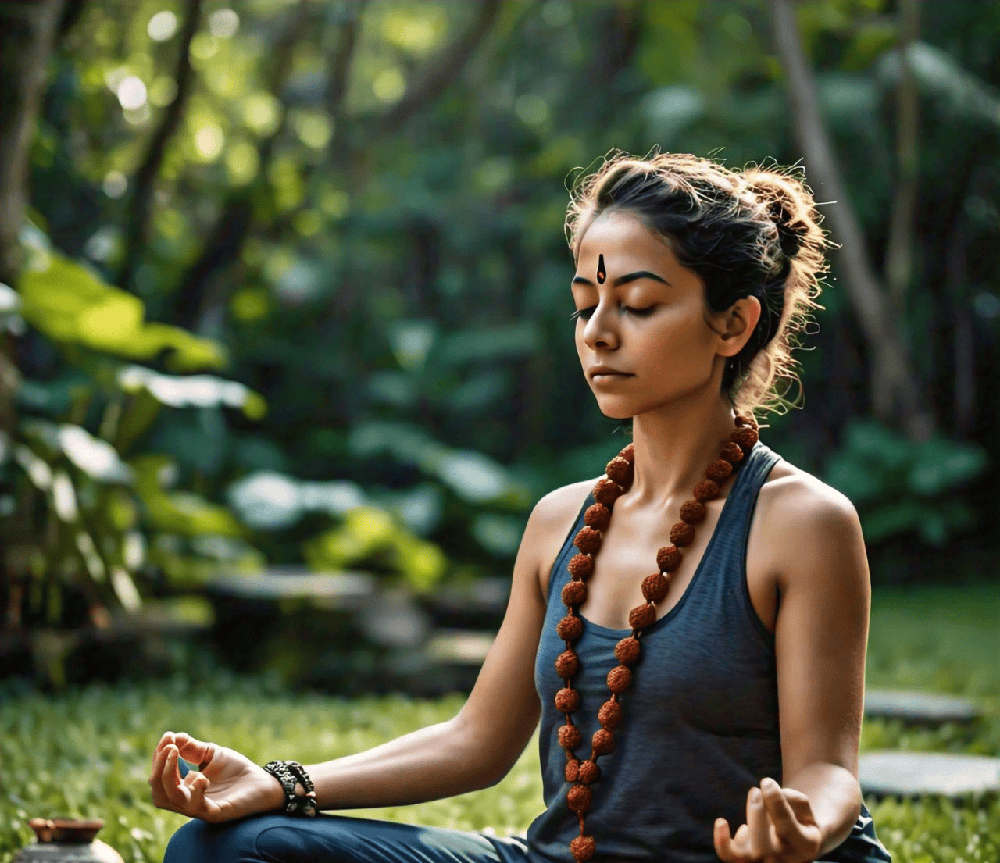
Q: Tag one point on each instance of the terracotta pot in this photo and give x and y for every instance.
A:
(65, 840)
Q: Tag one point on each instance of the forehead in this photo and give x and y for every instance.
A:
(621, 236)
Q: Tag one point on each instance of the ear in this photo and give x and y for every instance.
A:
(736, 324)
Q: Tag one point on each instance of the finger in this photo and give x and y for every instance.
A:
(196, 751)
(723, 842)
(786, 827)
(758, 833)
(165, 740)
(198, 788)
(177, 793)
(156, 779)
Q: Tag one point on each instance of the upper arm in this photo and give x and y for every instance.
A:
(503, 707)
(821, 630)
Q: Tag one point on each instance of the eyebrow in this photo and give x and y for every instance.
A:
(624, 280)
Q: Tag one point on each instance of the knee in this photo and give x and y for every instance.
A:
(187, 845)
(231, 842)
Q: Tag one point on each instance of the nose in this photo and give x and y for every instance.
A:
(601, 331)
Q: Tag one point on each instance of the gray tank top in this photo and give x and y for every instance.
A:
(700, 722)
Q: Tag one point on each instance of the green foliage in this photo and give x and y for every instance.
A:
(72, 306)
(901, 487)
(85, 753)
(369, 538)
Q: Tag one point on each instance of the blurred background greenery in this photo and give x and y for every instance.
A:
(288, 285)
(288, 291)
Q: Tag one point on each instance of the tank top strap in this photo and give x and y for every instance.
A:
(751, 477)
(559, 574)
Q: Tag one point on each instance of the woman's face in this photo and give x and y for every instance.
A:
(644, 335)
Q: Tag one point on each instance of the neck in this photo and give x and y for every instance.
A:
(672, 448)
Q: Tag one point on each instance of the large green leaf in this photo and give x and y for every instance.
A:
(71, 305)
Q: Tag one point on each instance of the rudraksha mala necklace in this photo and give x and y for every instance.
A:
(617, 480)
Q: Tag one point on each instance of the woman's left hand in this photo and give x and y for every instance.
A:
(780, 828)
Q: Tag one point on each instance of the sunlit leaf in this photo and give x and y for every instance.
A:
(192, 391)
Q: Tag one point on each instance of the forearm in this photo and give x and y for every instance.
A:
(434, 762)
(835, 798)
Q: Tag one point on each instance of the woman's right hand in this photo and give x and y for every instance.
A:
(227, 785)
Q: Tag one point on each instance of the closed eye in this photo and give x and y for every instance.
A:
(587, 313)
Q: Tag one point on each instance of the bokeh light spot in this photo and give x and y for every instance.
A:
(131, 93)
(223, 23)
(389, 85)
(162, 26)
(208, 141)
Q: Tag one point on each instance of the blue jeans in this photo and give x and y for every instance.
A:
(280, 838)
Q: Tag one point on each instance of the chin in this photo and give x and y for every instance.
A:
(617, 411)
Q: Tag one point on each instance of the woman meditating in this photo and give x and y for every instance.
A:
(687, 634)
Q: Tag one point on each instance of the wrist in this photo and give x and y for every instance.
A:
(298, 795)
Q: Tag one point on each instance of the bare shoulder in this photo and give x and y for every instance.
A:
(799, 501)
(550, 522)
(807, 526)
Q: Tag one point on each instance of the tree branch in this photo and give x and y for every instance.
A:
(27, 36)
(137, 221)
(231, 228)
(438, 74)
(896, 393)
(899, 255)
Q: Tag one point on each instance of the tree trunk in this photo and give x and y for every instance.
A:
(27, 33)
(897, 395)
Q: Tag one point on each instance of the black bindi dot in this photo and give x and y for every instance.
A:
(602, 274)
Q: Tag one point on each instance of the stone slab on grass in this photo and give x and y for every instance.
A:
(919, 708)
(915, 774)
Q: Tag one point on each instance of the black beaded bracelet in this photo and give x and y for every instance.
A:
(288, 773)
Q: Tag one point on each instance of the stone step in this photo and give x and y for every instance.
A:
(919, 708)
(917, 774)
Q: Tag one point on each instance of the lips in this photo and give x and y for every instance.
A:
(598, 373)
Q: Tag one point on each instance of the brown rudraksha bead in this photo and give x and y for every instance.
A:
(620, 471)
(668, 558)
(567, 664)
(574, 593)
(579, 798)
(589, 773)
(570, 628)
(572, 770)
(603, 742)
(583, 848)
(654, 587)
(581, 566)
(731, 452)
(628, 453)
(719, 470)
(607, 492)
(567, 700)
(597, 516)
(682, 533)
(619, 679)
(707, 489)
(642, 616)
(588, 540)
(610, 714)
(693, 512)
(745, 437)
(628, 650)
(570, 737)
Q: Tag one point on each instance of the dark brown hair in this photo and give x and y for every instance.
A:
(745, 233)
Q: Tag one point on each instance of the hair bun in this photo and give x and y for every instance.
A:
(790, 235)
(782, 197)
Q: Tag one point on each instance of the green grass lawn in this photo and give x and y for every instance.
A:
(86, 753)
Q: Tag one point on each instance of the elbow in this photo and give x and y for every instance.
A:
(484, 765)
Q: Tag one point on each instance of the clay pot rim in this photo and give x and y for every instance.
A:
(67, 830)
